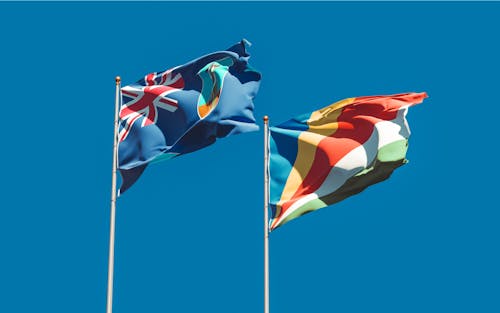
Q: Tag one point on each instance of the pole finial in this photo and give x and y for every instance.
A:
(118, 79)
(266, 119)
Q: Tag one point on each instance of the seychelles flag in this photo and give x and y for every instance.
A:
(323, 157)
(185, 108)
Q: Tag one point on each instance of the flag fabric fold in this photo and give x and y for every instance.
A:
(321, 158)
(185, 108)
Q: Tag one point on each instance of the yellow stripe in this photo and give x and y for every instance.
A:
(322, 123)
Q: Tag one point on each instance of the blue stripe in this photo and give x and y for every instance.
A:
(283, 149)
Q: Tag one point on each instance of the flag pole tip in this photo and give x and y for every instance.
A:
(266, 118)
(118, 79)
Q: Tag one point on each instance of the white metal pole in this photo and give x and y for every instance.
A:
(266, 219)
(109, 302)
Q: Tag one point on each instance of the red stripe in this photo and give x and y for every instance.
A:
(168, 101)
(150, 79)
(136, 107)
(128, 127)
(178, 84)
(150, 119)
(164, 76)
(128, 93)
(355, 126)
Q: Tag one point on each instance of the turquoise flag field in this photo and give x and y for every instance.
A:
(189, 232)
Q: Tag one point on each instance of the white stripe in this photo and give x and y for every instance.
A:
(296, 205)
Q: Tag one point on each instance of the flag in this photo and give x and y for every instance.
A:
(185, 108)
(321, 158)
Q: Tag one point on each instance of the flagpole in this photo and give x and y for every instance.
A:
(109, 302)
(266, 219)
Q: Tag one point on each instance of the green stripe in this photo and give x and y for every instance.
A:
(310, 206)
(393, 151)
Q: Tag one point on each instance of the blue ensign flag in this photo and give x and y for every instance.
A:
(185, 108)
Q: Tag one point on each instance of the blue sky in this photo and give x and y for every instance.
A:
(189, 232)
